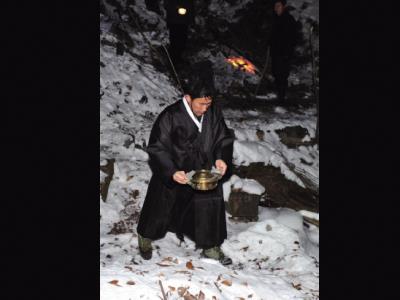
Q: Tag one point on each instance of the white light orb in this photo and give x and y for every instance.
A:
(182, 11)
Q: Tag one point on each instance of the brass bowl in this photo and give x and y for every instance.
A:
(204, 180)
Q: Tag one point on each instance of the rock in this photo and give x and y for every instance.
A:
(109, 170)
(243, 206)
(143, 100)
(260, 134)
(292, 136)
(129, 141)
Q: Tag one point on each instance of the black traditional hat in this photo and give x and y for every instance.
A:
(284, 2)
(199, 82)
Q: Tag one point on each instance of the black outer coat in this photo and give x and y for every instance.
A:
(284, 35)
(283, 42)
(176, 144)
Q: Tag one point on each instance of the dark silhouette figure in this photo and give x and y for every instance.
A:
(282, 43)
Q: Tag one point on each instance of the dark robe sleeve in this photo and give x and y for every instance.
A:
(159, 150)
(292, 34)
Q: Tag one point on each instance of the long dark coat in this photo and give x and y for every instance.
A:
(283, 41)
(176, 144)
(284, 35)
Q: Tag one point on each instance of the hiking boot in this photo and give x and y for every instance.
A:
(217, 254)
(145, 248)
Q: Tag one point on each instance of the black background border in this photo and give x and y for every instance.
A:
(50, 193)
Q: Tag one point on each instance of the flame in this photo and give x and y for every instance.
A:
(242, 64)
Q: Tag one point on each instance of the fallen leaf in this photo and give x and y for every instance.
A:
(297, 286)
(169, 258)
(114, 282)
(219, 277)
(227, 282)
(250, 296)
(189, 265)
(172, 288)
(166, 262)
(201, 296)
(129, 268)
(181, 291)
(182, 271)
(189, 296)
(163, 265)
(130, 282)
(214, 298)
(245, 283)
(176, 261)
(241, 298)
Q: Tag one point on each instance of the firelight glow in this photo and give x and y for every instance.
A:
(182, 11)
(242, 64)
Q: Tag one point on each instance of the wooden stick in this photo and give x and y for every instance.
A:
(312, 221)
(263, 73)
(218, 287)
(162, 290)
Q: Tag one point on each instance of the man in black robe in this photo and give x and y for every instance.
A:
(282, 42)
(190, 134)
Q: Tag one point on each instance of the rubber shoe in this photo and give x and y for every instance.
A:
(217, 254)
(145, 248)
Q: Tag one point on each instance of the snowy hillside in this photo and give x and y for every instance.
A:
(133, 92)
(241, 28)
(273, 258)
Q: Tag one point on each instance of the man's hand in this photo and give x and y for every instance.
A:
(180, 177)
(221, 166)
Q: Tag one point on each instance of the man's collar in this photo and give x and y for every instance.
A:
(191, 114)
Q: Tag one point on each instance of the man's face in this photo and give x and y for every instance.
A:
(200, 105)
(278, 8)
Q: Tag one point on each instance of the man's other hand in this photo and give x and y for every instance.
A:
(180, 177)
(221, 166)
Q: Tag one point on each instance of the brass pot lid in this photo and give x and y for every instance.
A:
(205, 176)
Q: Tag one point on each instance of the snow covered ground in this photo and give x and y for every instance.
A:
(249, 148)
(273, 258)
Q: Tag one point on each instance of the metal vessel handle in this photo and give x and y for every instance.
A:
(192, 185)
(219, 175)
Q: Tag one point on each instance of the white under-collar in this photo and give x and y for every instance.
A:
(190, 112)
